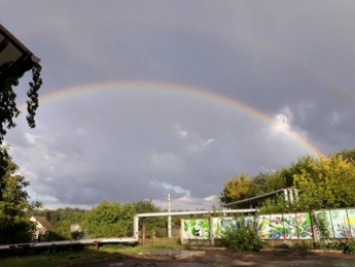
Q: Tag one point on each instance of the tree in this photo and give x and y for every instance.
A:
(14, 204)
(110, 219)
(156, 224)
(10, 73)
(272, 181)
(238, 188)
(348, 155)
(15, 208)
(296, 168)
(62, 220)
(327, 183)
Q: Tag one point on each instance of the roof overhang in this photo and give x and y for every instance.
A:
(12, 50)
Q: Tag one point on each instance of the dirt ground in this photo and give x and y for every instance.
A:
(209, 258)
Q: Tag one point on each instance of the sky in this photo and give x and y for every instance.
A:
(145, 98)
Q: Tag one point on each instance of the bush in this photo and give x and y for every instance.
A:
(242, 239)
(349, 247)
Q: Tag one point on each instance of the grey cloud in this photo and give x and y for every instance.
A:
(125, 145)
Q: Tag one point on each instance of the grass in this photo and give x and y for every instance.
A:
(88, 254)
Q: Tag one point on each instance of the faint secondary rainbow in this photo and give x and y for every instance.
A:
(182, 90)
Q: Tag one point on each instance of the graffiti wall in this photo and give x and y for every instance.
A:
(285, 226)
(220, 225)
(340, 223)
(195, 229)
(275, 226)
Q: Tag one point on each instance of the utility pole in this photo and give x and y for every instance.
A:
(169, 217)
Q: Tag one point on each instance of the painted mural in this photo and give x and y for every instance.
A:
(285, 226)
(340, 223)
(351, 220)
(220, 225)
(195, 229)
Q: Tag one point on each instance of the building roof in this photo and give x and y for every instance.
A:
(44, 222)
(12, 50)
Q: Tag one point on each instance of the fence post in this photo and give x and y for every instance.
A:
(211, 231)
(143, 231)
(314, 228)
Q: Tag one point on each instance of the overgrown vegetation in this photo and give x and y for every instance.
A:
(242, 238)
(15, 208)
(349, 247)
(322, 183)
(107, 219)
(323, 230)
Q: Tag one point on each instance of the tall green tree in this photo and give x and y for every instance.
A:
(326, 183)
(296, 168)
(238, 188)
(15, 207)
(273, 181)
(156, 224)
(347, 154)
(110, 219)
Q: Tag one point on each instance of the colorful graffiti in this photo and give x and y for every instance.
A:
(285, 226)
(275, 226)
(195, 229)
(220, 225)
(340, 223)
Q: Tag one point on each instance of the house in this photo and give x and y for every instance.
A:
(43, 227)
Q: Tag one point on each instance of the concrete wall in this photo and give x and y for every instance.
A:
(288, 226)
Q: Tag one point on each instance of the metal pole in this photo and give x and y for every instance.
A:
(143, 231)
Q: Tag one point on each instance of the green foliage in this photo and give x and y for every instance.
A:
(296, 168)
(323, 228)
(349, 247)
(10, 73)
(76, 235)
(238, 188)
(321, 182)
(114, 219)
(243, 239)
(62, 219)
(109, 219)
(273, 181)
(275, 205)
(347, 154)
(157, 224)
(326, 183)
(15, 209)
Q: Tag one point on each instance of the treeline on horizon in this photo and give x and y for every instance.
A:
(321, 182)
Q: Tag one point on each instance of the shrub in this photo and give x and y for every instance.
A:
(349, 247)
(242, 239)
